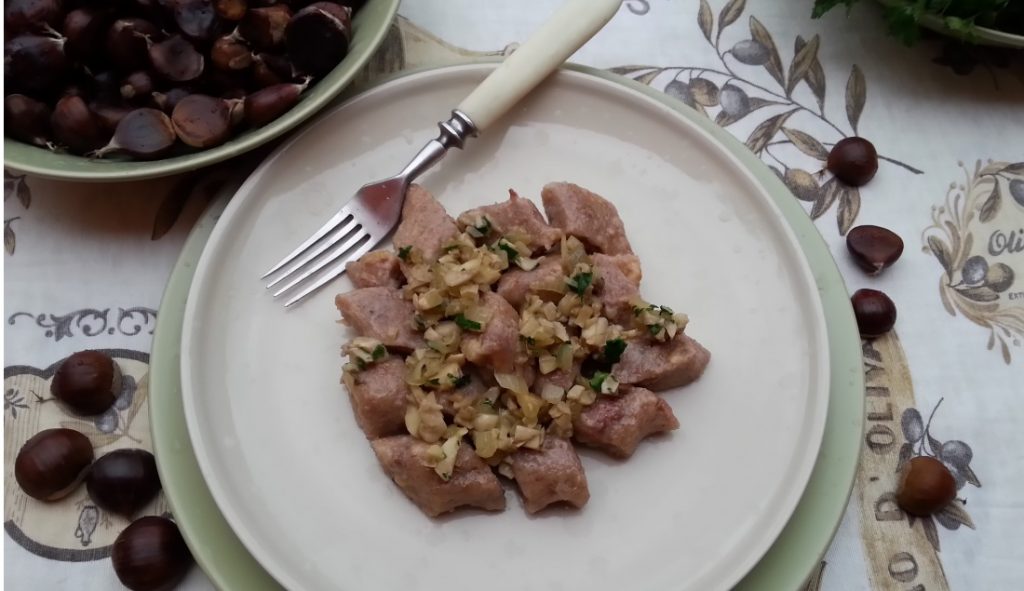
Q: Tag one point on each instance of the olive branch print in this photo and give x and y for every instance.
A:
(954, 454)
(728, 87)
(970, 284)
(14, 186)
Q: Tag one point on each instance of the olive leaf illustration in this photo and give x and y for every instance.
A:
(704, 19)
(990, 208)
(941, 252)
(764, 132)
(774, 62)
(829, 192)
(849, 207)
(931, 533)
(730, 12)
(815, 77)
(856, 96)
(979, 293)
(801, 63)
(906, 452)
(806, 143)
(14, 184)
(726, 92)
(10, 241)
(953, 515)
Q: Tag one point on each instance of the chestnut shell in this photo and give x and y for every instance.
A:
(52, 463)
(150, 555)
(88, 382)
(123, 481)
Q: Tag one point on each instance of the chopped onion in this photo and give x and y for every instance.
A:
(552, 393)
(564, 356)
(547, 363)
(485, 442)
(512, 381)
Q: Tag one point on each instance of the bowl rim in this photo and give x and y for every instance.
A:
(319, 97)
(982, 35)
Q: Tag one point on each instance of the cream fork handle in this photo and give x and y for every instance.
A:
(572, 25)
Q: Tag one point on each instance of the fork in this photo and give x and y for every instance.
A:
(375, 209)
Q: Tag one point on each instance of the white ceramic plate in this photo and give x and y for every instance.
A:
(274, 433)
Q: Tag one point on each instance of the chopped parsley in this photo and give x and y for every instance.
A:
(613, 350)
(597, 380)
(379, 352)
(403, 252)
(482, 229)
(461, 381)
(580, 282)
(654, 329)
(466, 324)
(510, 250)
(488, 402)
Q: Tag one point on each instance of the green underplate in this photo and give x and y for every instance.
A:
(369, 29)
(786, 565)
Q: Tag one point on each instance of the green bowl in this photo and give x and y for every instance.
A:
(370, 26)
(982, 35)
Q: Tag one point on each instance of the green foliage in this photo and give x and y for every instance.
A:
(961, 17)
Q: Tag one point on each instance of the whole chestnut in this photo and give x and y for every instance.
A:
(874, 248)
(123, 481)
(28, 15)
(925, 487)
(875, 312)
(88, 382)
(27, 119)
(150, 554)
(853, 160)
(317, 37)
(52, 463)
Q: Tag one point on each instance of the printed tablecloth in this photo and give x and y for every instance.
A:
(86, 264)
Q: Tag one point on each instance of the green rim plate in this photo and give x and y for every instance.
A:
(785, 566)
(370, 26)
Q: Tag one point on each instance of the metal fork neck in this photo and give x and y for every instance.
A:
(454, 133)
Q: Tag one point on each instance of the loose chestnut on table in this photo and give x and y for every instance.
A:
(874, 311)
(874, 248)
(925, 486)
(52, 463)
(150, 555)
(853, 160)
(123, 481)
(88, 382)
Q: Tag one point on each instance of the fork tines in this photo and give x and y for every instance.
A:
(342, 234)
